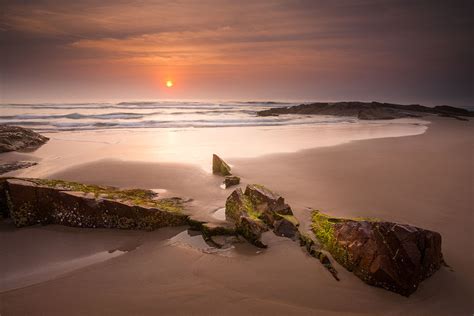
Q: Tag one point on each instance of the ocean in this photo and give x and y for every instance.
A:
(50, 117)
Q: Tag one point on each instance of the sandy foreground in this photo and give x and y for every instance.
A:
(425, 179)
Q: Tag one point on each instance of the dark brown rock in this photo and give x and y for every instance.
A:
(18, 138)
(286, 226)
(258, 210)
(71, 204)
(393, 256)
(237, 205)
(252, 229)
(15, 165)
(367, 110)
(230, 181)
(219, 166)
(266, 200)
(314, 249)
(239, 209)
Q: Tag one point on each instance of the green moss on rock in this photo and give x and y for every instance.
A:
(140, 197)
(33, 201)
(219, 166)
(323, 227)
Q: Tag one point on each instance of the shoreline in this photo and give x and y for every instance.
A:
(423, 179)
(195, 145)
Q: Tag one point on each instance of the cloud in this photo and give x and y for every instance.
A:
(343, 41)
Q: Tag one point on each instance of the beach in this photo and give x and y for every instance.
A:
(417, 172)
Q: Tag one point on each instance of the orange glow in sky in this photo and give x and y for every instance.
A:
(169, 83)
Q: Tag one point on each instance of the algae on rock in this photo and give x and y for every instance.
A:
(219, 166)
(258, 210)
(32, 201)
(396, 257)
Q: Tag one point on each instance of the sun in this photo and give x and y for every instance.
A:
(169, 83)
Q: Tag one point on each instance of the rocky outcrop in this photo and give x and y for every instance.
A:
(219, 166)
(18, 138)
(36, 201)
(231, 181)
(240, 210)
(393, 256)
(258, 210)
(15, 165)
(368, 110)
(267, 202)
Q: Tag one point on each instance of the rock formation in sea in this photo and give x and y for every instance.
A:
(369, 110)
(14, 138)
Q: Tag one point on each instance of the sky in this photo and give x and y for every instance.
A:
(85, 51)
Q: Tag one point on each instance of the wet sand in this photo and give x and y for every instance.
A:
(194, 146)
(425, 180)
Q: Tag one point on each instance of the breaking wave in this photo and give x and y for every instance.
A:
(163, 114)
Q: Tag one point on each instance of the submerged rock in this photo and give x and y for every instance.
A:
(393, 256)
(18, 138)
(230, 181)
(219, 166)
(258, 210)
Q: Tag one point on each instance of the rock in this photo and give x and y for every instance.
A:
(36, 201)
(15, 165)
(239, 209)
(286, 226)
(393, 256)
(452, 111)
(252, 229)
(367, 110)
(266, 202)
(313, 248)
(18, 138)
(258, 210)
(219, 166)
(237, 205)
(230, 181)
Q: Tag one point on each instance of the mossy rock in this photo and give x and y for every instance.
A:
(219, 166)
(252, 229)
(42, 201)
(238, 205)
(396, 257)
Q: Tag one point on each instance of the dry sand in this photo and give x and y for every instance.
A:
(425, 180)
